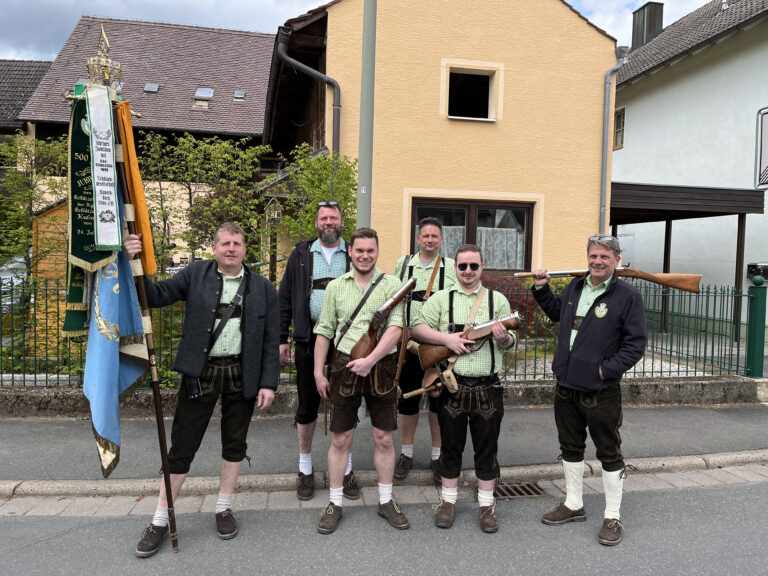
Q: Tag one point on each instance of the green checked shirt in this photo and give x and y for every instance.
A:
(434, 314)
(588, 296)
(229, 342)
(342, 297)
(423, 274)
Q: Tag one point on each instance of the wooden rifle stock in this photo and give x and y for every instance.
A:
(686, 282)
(367, 343)
(432, 354)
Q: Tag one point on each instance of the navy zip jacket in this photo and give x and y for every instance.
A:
(612, 339)
(199, 285)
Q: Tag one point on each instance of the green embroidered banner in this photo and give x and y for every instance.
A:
(82, 240)
(76, 314)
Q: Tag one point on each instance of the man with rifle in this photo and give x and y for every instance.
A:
(312, 264)
(601, 335)
(478, 402)
(350, 304)
(432, 273)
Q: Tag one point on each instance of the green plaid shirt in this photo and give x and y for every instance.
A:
(229, 342)
(342, 297)
(434, 314)
(423, 274)
(588, 296)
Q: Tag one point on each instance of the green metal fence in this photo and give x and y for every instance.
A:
(689, 335)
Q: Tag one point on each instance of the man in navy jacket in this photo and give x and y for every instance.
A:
(242, 367)
(601, 335)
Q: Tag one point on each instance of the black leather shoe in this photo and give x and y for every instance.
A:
(351, 489)
(305, 489)
(403, 466)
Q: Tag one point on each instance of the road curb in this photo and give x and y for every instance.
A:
(283, 482)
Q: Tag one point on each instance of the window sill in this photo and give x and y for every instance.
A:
(471, 119)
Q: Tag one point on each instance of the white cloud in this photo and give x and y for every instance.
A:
(615, 16)
(37, 29)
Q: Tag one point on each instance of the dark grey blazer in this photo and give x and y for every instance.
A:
(199, 285)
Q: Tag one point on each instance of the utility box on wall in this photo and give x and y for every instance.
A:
(755, 268)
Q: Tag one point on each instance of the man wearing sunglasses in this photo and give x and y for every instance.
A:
(479, 402)
(601, 335)
(312, 264)
(432, 273)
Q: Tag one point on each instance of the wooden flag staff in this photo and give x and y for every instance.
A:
(102, 69)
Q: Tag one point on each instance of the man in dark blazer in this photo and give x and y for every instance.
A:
(241, 366)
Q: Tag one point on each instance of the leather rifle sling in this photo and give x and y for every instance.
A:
(470, 319)
(404, 338)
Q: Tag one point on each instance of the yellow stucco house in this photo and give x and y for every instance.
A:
(488, 115)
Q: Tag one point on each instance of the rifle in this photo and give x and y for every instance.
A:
(367, 343)
(686, 282)
(430, 355)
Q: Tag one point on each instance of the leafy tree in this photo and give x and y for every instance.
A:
(157, 170)
(32, 176)
(312, 178)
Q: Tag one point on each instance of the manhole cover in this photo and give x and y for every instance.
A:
(510, 491)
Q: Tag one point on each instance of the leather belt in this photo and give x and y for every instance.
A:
(224, 359)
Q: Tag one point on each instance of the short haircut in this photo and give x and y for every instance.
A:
(606, 240)
(329, 205)
(230, 227)
(430, 221)
(364, 233)
(469, 248)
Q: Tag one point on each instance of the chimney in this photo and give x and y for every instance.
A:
(647, 22)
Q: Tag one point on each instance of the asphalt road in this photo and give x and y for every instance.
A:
(701, 531)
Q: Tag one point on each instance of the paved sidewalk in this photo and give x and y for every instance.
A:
(141, 505)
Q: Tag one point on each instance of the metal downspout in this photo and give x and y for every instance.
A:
(621, 52)
(284, 33)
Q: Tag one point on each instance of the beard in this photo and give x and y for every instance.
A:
(329, 236)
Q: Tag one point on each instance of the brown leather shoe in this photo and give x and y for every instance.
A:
(329, 518)
(305, 488)
(226, 527)
(150, 541)
(391, 512)
(351, 489)
(561, 514)
(488, 522)
(610, 533)
(444, 513)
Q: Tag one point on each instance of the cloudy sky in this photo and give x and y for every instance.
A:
(37, 29)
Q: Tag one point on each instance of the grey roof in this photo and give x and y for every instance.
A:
(180, 59)
(18, 80)
(701, 27)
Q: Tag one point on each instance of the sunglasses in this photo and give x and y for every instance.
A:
(474, 266)
(331, 203)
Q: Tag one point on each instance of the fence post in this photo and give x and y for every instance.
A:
(756, 328)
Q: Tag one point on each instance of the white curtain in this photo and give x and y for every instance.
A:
(503, 248)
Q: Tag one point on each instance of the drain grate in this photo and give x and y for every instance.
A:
(512, 491)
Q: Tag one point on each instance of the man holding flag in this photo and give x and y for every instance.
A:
(229, 348)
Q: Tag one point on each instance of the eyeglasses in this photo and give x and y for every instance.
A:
(331, 203)
(474, 266)
(599, 237)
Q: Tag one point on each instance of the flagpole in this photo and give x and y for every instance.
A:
(105, 68)
(138, 274)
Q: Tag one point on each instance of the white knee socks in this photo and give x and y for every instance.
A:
(574, 476)
(613, 484)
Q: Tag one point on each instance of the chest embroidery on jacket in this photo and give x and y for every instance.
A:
(601, 310)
